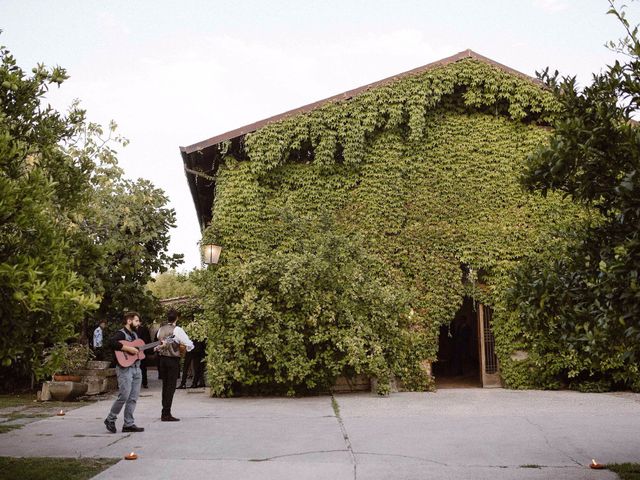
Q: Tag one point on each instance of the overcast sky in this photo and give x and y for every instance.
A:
(174, 73)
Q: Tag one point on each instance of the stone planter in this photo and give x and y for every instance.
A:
(357, 383)
(97, 365)
(66, 378)
(66, 391)
(99, 380)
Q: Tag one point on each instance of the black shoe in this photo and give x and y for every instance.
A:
(145, 386)
(181, 387)
(132, 428)
(169, 418)
(111, 426)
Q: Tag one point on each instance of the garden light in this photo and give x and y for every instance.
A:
(211, 253)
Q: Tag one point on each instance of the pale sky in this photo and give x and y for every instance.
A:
(174, 73)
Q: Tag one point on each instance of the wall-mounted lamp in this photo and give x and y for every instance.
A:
(211, 253)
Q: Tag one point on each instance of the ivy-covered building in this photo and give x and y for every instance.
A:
(415, 180)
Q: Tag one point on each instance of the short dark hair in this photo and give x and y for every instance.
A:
(129, 315)
(172, 315)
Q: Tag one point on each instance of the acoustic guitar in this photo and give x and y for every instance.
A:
(127, 359)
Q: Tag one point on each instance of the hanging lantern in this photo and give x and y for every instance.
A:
(211, 253)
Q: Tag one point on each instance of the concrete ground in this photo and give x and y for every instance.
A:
(451, 434)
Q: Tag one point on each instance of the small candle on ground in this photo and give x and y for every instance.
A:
(131, 456)
(60, 413)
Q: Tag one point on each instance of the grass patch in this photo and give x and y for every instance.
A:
(8, 428)
(336, 407)
(29, 400)
(27, 406)
(23, 414)
(626, 471)
(18, 400)
(53, 468)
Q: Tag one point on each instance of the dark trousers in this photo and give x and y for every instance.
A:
(98, 353)
(169, 371)
(198, 371)
(143, 368)
(188, 361)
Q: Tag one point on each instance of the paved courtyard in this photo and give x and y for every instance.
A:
(450, 434)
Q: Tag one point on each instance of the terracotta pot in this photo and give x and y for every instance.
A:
(67, 378)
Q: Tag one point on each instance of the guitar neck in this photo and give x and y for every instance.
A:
(149, 345)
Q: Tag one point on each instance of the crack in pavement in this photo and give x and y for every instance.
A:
(310, 452)
(118, 439)
(542, 432)
(428, 460)
(462, 465)
(345, 435)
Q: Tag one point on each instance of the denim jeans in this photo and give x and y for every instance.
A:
(129, 381)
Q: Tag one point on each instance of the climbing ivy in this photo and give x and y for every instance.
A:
(424, 172)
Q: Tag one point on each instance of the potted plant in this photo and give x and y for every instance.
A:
(65, 360)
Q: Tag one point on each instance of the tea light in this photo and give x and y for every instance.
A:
(596, 465)
(60, 413)
(131, 456)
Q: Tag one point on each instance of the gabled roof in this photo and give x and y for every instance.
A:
(201, 159)
(252, 127)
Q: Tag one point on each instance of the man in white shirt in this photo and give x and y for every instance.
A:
(98, 335)
(169, 361)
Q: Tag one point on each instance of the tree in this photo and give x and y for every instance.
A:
(123, 228)
(42, 297)
(172, 284)
(76, 236)
(130, 222)
(583, 306)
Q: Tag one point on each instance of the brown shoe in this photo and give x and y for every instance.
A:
(169, 418)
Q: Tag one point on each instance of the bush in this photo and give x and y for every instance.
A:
(66, 359)
(292, 320)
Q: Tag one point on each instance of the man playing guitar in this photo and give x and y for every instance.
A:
(129, 377)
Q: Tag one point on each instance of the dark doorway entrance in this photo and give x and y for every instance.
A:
(458, 363)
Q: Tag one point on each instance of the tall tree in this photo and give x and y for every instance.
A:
(584, 305)
(76, 237)
(42, 297)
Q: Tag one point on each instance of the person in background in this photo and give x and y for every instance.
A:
(169, 361)
(199, 352)
(97, 341)
(194, 359)
(143, 333)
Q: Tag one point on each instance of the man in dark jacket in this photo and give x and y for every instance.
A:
(129, 378)
(145, 335)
